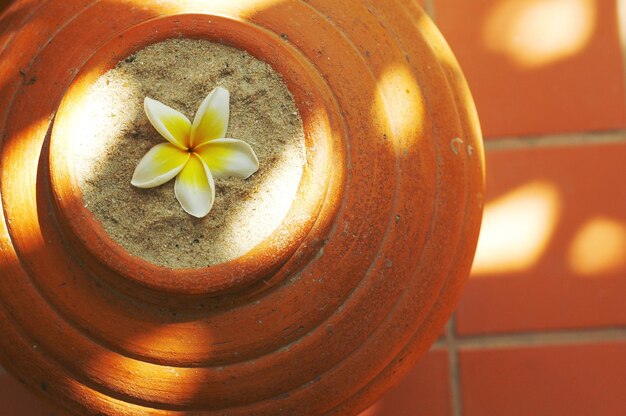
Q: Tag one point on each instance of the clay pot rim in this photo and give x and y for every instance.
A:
(87, 235)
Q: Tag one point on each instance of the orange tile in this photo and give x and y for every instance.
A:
(17, 400)
(539, 66)
(552, 250)
(544, 381)
(424, 391)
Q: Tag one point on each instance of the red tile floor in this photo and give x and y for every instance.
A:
(541, 329)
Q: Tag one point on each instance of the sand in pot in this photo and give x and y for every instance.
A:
(149, 223)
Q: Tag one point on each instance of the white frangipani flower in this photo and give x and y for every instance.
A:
(195, 153)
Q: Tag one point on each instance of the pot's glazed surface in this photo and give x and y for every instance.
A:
(320, 318)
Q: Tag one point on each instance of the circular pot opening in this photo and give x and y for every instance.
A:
(141, 238)
(114, 134)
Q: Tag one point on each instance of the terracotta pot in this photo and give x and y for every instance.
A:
(320, 318)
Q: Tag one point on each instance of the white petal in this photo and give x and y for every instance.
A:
(194, 188)
(211, 120)
(172, 124)
(229, 158)
(159, 165)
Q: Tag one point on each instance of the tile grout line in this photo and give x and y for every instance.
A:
(534, 339)
(438, 345)
(453, 368)
(556, 140)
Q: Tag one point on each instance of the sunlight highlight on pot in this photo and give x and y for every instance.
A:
(144, 381)
(244, 8)
(22, 153)
(399, 102)
(517, 228)
(535, 33)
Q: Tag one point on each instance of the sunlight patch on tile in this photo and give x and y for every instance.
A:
(621, 18)
(536, 33)
(374, 410)
(517, 228)
(599, 247)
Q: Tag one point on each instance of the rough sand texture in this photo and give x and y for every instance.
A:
(150, 223)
